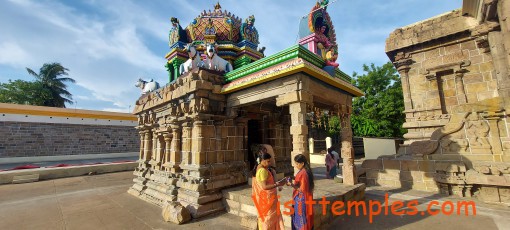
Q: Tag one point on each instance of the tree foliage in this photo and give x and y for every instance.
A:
(380, 112)
(22, 92)
(48, 89)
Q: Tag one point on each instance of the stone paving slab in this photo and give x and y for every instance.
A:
(101, 202)
(89, 202)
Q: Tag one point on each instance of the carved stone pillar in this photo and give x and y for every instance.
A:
(147, 146)
(197, 146)
(142, 145)
(402, 64)
(297, 102)
(467, 190)
(299, 130)
(175, 149)
(461, 93)
(499, 53)
(347, 151)
(186, 143)
(501, 41)
(168, 139)
(155, 151)
(495, 140)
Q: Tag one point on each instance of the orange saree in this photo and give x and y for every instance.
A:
(266, 202)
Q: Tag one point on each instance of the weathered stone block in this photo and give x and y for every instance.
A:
(489, 194)
(372, 164)
(391, 164)
(474, 158)
(408, 165)
(468, 45)
(476, 87)
(504, 194)
(176, 213)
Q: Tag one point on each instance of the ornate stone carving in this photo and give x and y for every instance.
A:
(421, 148)
(478, 131)
(454, 145)
(434, 117)
(431, 73)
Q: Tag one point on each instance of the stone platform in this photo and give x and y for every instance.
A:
(238, 201)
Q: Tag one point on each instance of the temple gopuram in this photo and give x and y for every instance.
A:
(198, 131)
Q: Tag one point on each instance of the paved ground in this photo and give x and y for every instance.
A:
(91, 202)
(101, 202)
(487, 216)
(4, 166)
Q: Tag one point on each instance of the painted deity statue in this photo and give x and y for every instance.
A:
(324, 44)
(209, 29)
(176, 33)
(331, 57)
(248, 30)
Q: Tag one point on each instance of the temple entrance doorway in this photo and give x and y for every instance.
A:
(254, 137)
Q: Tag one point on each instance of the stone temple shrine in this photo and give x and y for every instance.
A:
(455, 77)
(196, 132)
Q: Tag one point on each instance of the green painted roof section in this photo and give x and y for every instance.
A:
(296, 51)
(340, 74)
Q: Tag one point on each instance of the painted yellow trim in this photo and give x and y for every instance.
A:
(62, 112)
(304, 67)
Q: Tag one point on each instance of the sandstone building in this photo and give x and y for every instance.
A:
(455, 77)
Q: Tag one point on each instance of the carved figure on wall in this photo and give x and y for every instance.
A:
(248, 30)
(478, 132)
(176, 33)
(194, 60)
(215, 62)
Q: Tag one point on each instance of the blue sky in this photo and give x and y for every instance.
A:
(108, 44)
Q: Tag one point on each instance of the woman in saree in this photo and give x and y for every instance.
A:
(303, 184)
(331, 164)
(264, 195)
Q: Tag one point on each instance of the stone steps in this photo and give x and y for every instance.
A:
(238, 201)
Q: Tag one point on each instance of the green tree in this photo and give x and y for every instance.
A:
(48, 89)
(22, 92)
(51, 80)
(380, 112)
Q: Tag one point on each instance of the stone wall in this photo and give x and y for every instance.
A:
(454, 72)
(45, 139)
(29, 131)
(191, 147)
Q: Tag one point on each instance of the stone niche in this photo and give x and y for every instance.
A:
(190, 149)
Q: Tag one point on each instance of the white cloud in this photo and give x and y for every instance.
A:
(118, 110)
(81, 97)
(12, 54)
(107, 45)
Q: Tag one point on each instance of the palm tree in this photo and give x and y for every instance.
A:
(54, 88)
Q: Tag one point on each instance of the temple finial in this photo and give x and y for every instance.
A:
(217, 6)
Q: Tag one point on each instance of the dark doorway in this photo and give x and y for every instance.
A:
(254, 137)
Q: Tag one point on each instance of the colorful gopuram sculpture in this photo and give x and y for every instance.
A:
(176, 36)
(317, 33)
(237, 42)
